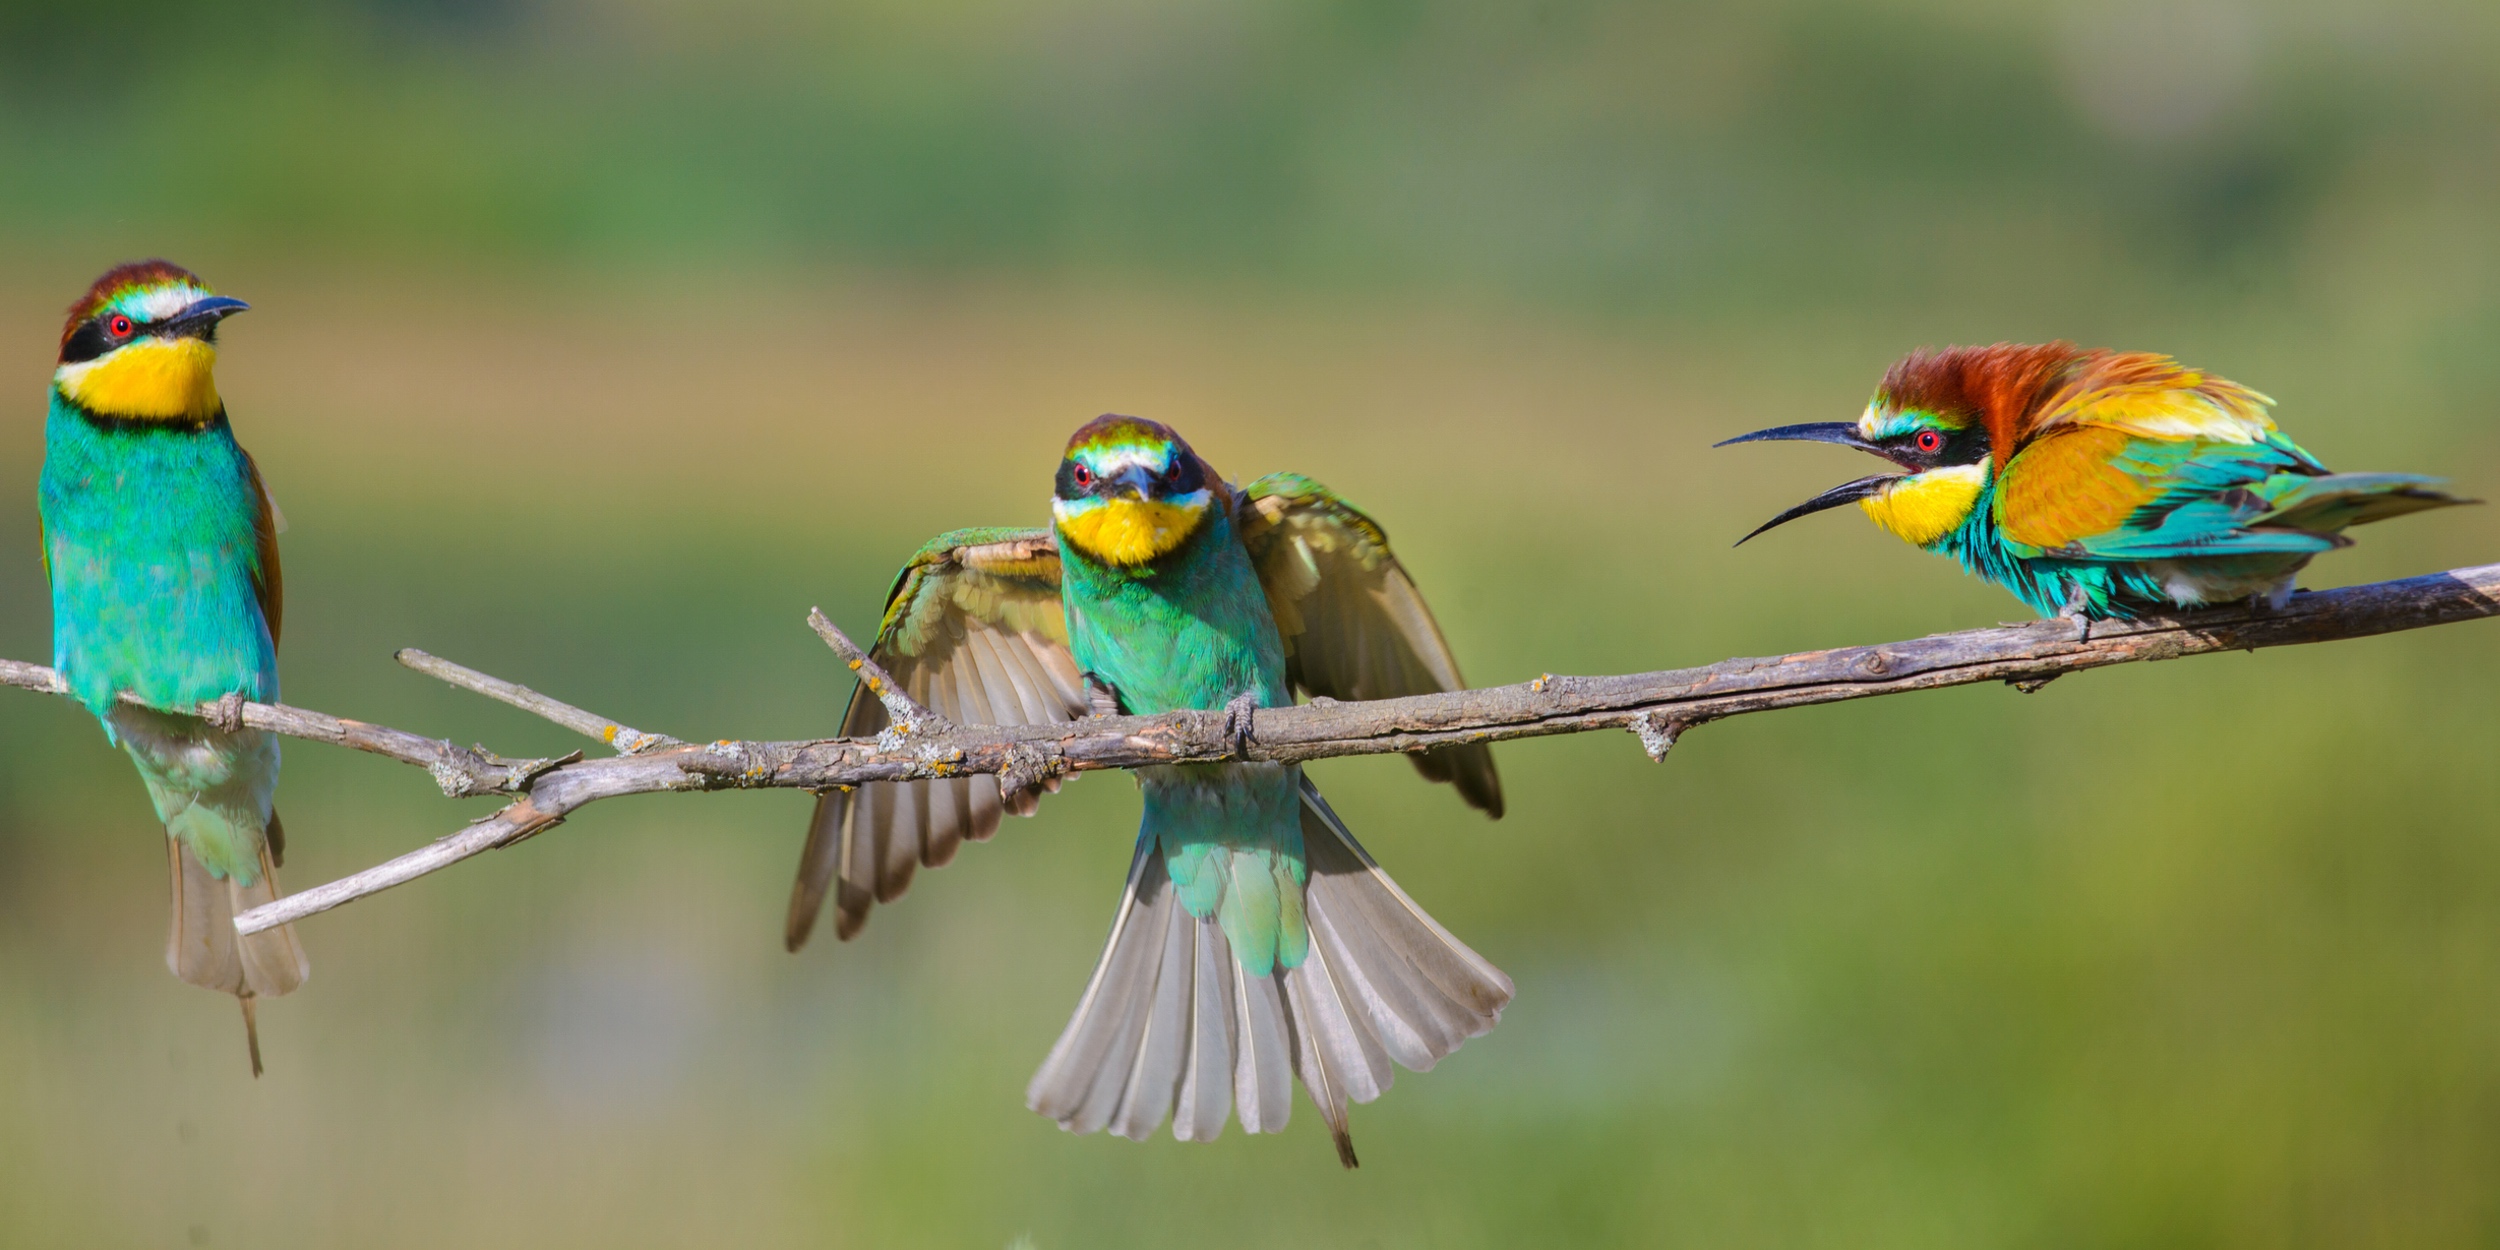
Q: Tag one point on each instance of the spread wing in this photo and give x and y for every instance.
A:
(974, 631)
(267, 584)
(1353, 624)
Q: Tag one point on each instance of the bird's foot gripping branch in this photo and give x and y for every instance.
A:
(1654, 706)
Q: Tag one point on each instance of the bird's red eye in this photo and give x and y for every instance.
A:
(120, 326)
(1084, 477)
(1929, 441)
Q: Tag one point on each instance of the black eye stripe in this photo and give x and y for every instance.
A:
(1927, 447)
(89, 341)
(1182, 474)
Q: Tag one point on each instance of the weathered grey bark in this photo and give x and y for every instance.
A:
(1654, 706)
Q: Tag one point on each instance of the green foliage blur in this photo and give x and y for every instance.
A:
(592, 344)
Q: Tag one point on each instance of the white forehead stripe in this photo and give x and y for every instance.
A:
(1119, 458)
(163, 302)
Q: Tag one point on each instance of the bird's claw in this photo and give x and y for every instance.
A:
(1100, 698)
(227, 712)
(1237, 717)
(2078, 608)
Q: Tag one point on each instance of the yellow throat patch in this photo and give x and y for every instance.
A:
(1924, 507)
(1128, 531)
(154, 379)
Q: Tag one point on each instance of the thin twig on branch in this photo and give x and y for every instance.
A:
(908, 716)
(626, 739)
(1654, 706)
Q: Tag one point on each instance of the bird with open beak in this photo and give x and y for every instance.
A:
(2097, 484)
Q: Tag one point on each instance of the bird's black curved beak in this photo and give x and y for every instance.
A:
(1848, 492)
(1132, 481)
(200, 320)
(1844, 433)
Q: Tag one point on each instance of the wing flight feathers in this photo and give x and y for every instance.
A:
(974, 631)
(1354, 625)
(267, 584)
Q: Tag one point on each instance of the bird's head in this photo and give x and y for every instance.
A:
(142, 345)
(1946, 420)
(1130, 491)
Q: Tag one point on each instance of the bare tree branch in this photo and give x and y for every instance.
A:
(626, 739)
(462, 772)
(1656, 707)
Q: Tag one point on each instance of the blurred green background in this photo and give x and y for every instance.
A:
(592, 344)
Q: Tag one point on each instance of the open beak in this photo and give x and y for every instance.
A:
(200, 320)
(1844, 433)
(1847, 492)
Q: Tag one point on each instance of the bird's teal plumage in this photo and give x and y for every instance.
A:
(150, 532)
(1193, 631)
(2102, 484)
(160, 544)
(151, 538)
(2239, 514)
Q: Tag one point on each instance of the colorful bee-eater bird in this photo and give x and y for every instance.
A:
(2098, 484)
(162, 547)
(1256, 941)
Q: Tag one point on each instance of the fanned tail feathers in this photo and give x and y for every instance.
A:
(1171, 1026)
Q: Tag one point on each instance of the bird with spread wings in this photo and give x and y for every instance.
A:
(1160, 586)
